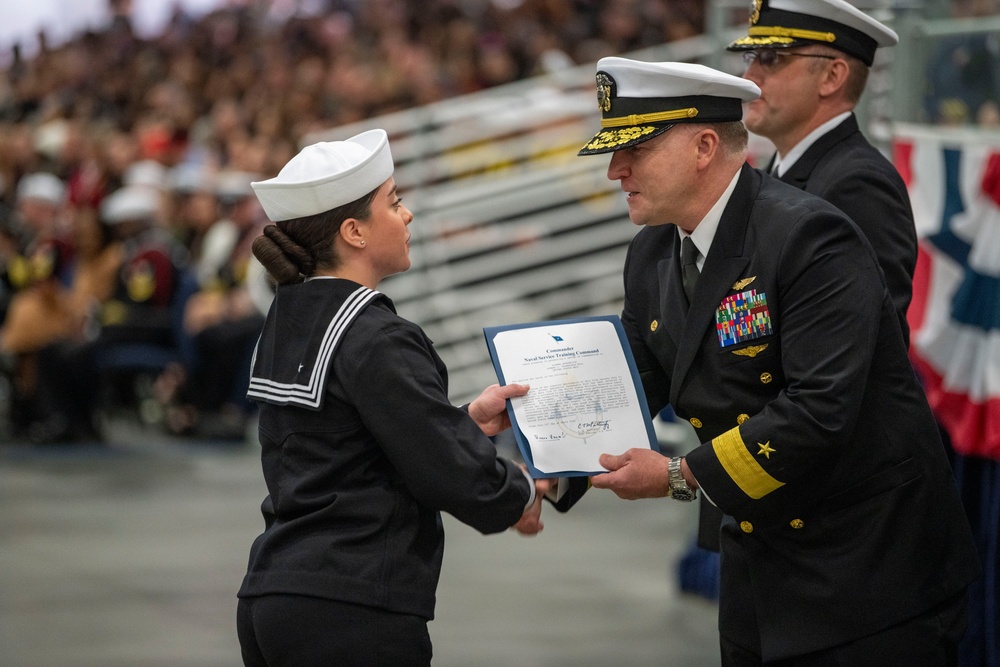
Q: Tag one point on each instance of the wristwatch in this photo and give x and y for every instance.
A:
(679, 489)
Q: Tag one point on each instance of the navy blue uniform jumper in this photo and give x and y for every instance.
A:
(361, 452)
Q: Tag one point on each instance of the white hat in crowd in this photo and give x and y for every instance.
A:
(191, 177)
(640, 100)
(132, 202)
(780, 24)
(50, 138)
(41, 186)
(326, 175)
(232, 186)
(149, 173)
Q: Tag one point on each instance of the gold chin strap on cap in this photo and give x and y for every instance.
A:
(775, 31)
(646, 118)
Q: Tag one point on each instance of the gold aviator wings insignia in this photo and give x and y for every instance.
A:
(751, 350)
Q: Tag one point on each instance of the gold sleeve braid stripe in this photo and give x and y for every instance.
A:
(741, 466)
(795, 33)
(644, 118)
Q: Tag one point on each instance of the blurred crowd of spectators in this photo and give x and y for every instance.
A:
(963, 72)
(125, 162)
(125, 208)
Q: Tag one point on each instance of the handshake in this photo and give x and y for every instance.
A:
(530, 523)
(633, 474)
(489, 411)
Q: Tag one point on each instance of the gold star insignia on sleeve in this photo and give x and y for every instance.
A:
(765, 449)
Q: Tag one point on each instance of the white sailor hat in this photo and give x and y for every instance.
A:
(149, 173)
(132, 202)
(189, 178)
(232, 186)
(779, 24)
(41, 186)
(326, 175)
(641, 100)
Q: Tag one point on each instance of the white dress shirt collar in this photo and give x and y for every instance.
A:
(704, 233)
(784, 162)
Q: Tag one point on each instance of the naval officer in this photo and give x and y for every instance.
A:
(758, 311)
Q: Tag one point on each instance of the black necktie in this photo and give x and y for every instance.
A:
(689, 266)
(775, 164)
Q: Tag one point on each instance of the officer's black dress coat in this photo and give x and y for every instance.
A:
(817, 439)
(843, 168)
(847, 171)
(361, 451)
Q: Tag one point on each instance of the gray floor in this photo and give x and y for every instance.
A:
(130, 555)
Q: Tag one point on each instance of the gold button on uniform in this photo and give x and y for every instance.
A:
(746, 526)
(654, 325)
(695, 422)
(765, 377)
(742, 418)
(797, 523)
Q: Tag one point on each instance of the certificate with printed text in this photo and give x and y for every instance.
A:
(585, 398)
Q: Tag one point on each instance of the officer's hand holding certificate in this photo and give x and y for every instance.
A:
(585, 398)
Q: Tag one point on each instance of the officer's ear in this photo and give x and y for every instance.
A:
(707, 143)
(835, 77)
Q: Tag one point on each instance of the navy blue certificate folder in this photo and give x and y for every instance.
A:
(572, 411)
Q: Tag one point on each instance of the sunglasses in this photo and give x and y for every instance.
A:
(769, 57)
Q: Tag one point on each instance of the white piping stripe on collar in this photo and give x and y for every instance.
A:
(309, 395)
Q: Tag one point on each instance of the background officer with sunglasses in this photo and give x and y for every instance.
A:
(810, 59)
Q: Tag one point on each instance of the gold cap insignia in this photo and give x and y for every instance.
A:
(743, 282)
(604, 84)
(755, 6)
